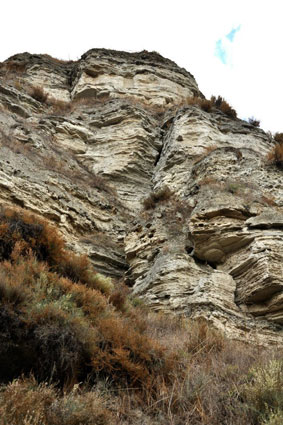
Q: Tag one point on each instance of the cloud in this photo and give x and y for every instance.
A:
(220, 51)
(223, 46)
(232, 33)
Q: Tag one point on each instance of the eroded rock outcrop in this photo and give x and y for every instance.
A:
(85, 143)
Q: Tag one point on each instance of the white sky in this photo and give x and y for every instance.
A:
(186, 31)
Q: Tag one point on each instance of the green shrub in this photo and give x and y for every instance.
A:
(264, 391)
(275, 418)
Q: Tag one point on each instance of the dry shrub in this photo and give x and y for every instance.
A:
(278, 137)
(208, 105)
(178, 332)
(46, 332)
(100, 183)
(28, 233)
(254, 122)
(15, 67)
(32, 232)
(57, 60)
(59, 107)
(119, 297)
(12, 292)
(224, 106)
(203, 339)
(38, 94)
(192, 375)
(66, 330)
(175, 215)
(204, 104)
(264, 390)
(153, 198)
(275, 156)
(130, 357)
(207, 375)
(25, 402)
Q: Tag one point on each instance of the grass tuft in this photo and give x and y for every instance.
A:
(38, 94)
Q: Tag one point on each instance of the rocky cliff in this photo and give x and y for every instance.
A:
(176, 196)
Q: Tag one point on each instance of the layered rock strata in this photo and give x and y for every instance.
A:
(178, 201)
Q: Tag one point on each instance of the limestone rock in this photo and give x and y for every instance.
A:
(143, 76)
(180, 202)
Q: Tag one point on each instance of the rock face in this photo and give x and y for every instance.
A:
(178, 201)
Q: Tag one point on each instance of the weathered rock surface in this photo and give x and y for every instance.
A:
(116, 129)
(143, 76)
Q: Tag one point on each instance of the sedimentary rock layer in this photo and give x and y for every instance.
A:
(179, 201)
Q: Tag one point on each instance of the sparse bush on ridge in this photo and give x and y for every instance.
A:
(275, 156)
(14, 67)
(224, 106)
(59, 107)
(254, 122)
(208, 105)
(57, 60)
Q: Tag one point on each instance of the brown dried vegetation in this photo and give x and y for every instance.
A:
(254, 122)
(38, 94)
(153, 198)
(26, 402)
(212, 381)
(223, 106)
(208, 105)
(275, 156)
(22, 233)
(14, 67)
(278, 137)
(52, 307)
